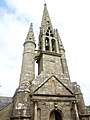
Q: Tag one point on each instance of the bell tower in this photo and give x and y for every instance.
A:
(47, 40)
(52, 53)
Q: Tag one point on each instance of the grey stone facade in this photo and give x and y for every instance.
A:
(51, 95)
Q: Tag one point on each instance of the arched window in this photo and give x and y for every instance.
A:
(53, 45)
(46, 43)
(49, 28)
(49, 32)
(51, 35)
(55, 115)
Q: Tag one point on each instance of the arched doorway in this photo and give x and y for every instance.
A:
(55, 115)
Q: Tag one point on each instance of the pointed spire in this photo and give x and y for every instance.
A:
(45, 18)
(30, 35)
(59, 40)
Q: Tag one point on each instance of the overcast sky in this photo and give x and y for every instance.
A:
(70, 17)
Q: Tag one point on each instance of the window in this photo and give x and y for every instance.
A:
(46, 43)
(51, 35)
(47, 34)
(53, 45)
(49, 28)
(47, 21)
(50, 31)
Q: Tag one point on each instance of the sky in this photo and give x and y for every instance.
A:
(70, 17)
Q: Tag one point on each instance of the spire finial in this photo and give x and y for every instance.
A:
(30, 32)
(45, 18)
(44, 2)
(31, 27)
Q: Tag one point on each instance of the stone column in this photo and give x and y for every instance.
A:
(50, 45)
(77, 116)
(43, 43)
(57, 46)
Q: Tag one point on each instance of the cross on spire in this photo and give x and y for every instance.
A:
(44, 1)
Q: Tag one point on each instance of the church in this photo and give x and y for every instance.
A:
(50, 95)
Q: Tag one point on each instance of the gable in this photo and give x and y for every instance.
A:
(52, 86)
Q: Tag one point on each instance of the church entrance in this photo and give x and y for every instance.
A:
(55, 115)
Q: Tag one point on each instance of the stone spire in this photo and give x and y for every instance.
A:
(63, 57)
(45, 18)
(46, 33)
(49, 46)
(30, 35)
(59, 40)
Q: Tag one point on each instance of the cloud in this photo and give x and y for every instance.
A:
(12, 37)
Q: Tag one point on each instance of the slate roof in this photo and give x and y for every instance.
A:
(4, 101)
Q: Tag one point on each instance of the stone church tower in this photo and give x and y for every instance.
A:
(51, 95)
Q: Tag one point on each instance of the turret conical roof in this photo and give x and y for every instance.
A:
(30, 35)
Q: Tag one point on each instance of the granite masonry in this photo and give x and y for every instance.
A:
(50, 95)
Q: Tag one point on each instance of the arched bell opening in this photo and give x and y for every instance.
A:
(53, 45)
(46, 43)
(55, 115)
